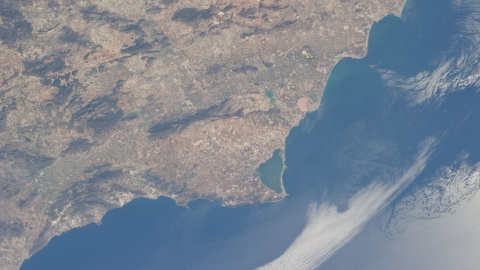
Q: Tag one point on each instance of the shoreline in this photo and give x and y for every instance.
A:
(183, 200)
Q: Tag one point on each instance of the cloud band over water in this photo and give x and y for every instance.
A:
(328, 230)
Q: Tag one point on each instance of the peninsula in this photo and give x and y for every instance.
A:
(105, 101)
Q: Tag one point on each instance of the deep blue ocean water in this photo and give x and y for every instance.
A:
(376, 114)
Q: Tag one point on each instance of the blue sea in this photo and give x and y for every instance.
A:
(390, 126)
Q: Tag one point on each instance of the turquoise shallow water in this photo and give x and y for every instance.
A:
(371, 124)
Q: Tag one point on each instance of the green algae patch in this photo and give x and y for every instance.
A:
(270, 172)
(313, 96)
(271, 96)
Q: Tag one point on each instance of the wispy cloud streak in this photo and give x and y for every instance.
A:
(455, 72)
(327, 229)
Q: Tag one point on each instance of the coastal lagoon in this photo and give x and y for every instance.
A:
(270, 172)
(402, 120)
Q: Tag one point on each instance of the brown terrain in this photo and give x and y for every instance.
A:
(105, 101)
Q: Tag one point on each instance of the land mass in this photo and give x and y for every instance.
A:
(105, 101)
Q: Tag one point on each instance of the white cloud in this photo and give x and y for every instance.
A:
(451, 186)
(454, 72)
(436, 227)
(327, 229)
(448, 242)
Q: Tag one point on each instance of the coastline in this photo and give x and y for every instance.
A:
(242, 197)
